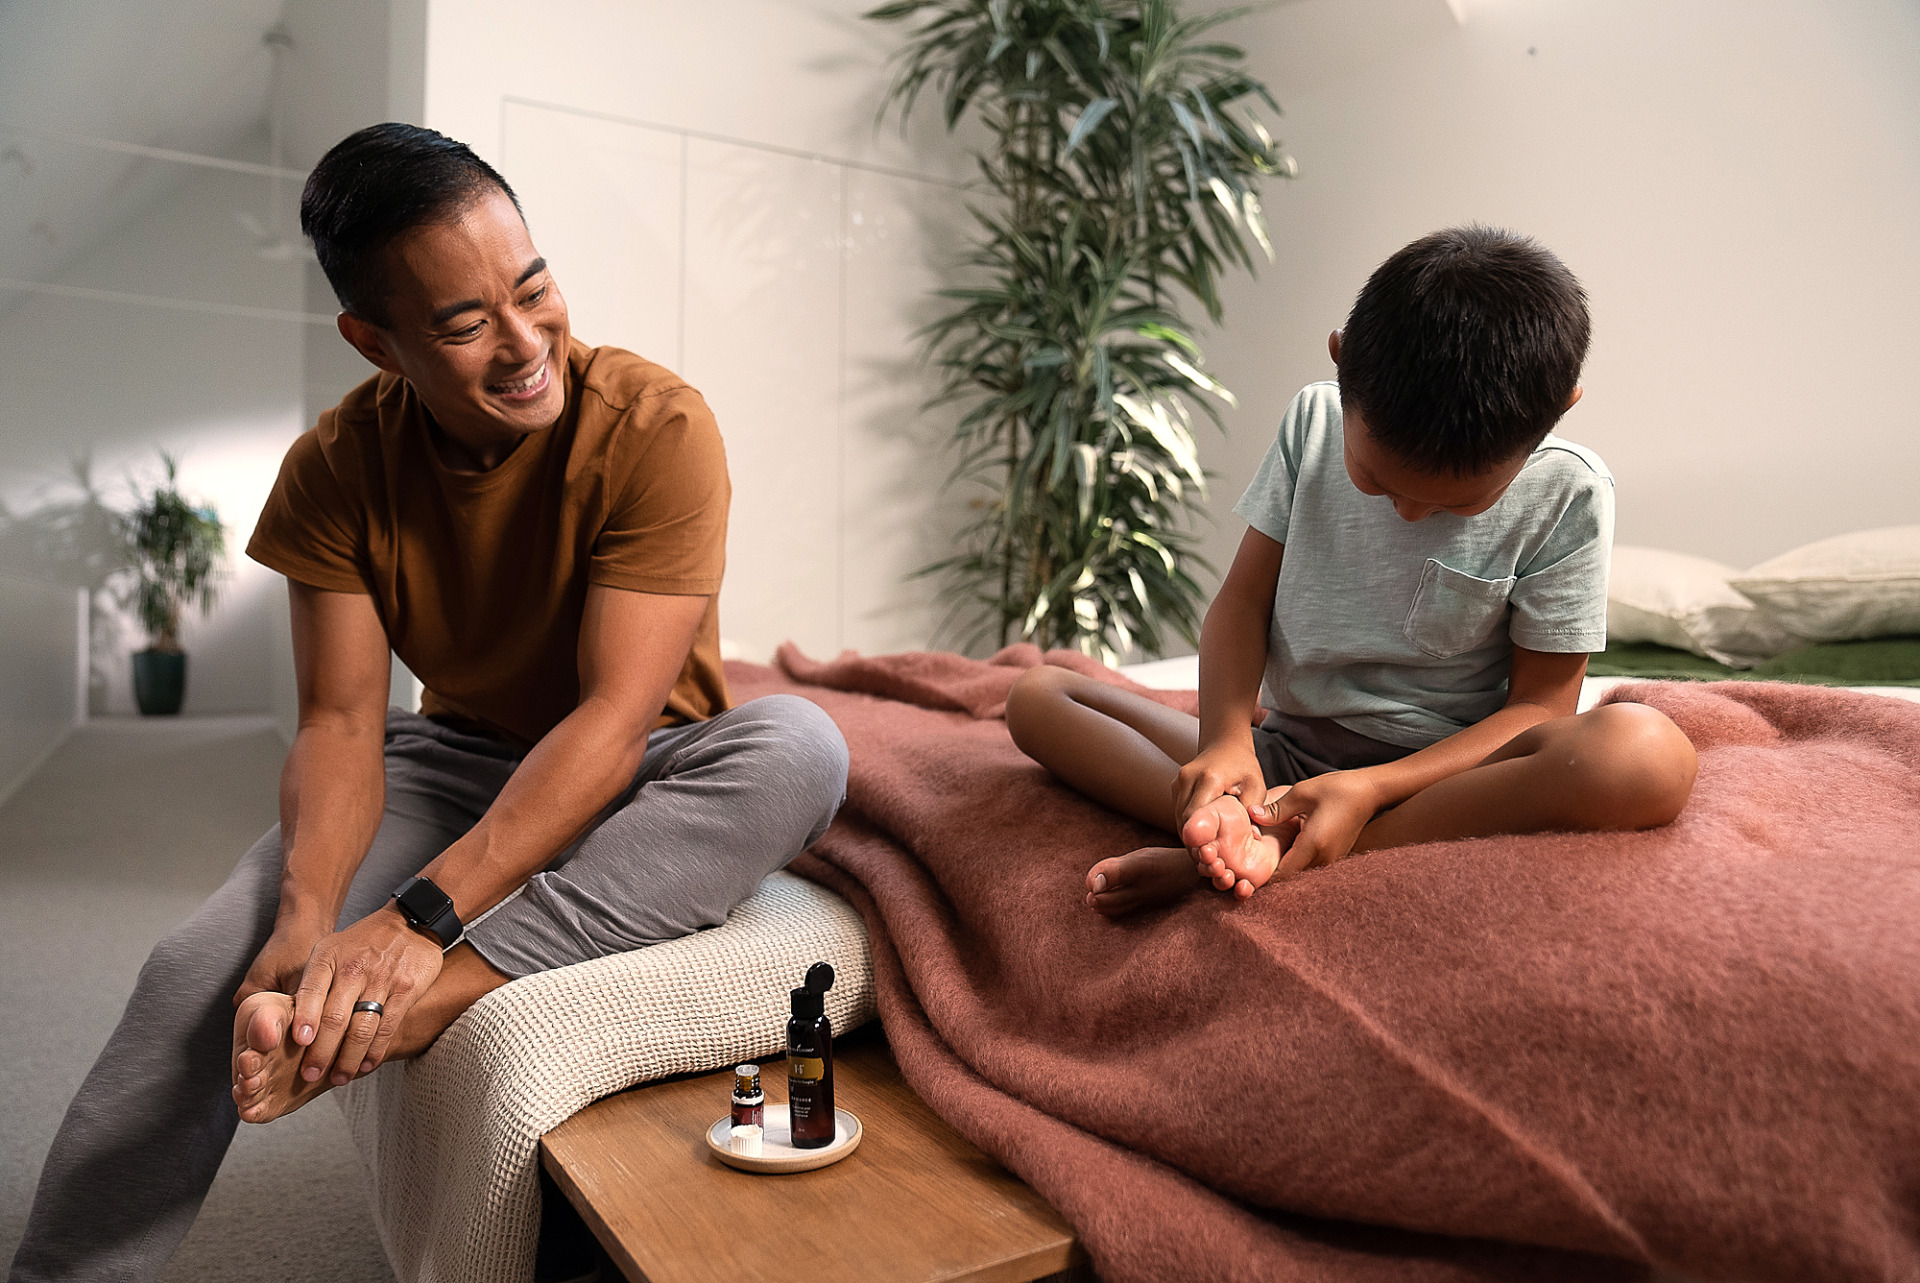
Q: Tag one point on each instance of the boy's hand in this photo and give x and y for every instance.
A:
(1331, 810)
(1220, 772)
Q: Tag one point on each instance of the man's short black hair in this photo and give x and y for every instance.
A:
(376, 184)
(1462, 350)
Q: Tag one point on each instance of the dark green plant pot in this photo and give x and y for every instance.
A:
(159, 681)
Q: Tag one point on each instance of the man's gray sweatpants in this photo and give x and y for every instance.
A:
(716, 807)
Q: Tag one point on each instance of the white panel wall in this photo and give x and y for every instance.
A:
(40, 688)
(1734, 180)
(120, 379)
(752, 231)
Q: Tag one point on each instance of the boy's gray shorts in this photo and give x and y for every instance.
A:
(1292, 749)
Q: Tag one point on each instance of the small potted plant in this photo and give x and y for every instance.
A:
(174, 554)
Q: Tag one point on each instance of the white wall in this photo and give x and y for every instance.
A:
(121, 379)
(712, 192)
(1736, 182)
(40, 691)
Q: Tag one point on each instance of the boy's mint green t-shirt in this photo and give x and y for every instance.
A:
(1404, 630)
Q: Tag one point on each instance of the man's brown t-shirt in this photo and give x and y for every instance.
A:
(481, 577)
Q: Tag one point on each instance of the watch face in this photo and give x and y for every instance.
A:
(426, 905)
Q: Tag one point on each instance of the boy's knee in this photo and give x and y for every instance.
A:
(1031, 700)
(1641, 767)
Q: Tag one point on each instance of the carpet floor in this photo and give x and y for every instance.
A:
(114, 841)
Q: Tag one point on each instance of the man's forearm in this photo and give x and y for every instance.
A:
(552, 798)
(332, 793)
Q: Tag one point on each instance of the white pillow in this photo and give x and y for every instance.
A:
(1866, 584)
(1676, 600)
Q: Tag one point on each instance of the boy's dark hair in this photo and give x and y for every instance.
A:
(1463, 348)
(374, 185)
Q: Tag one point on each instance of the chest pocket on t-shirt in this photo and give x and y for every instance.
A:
(1454, 612)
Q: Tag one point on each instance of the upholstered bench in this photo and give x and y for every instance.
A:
(451, 1140)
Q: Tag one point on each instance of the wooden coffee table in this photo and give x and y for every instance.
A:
(914, 1202)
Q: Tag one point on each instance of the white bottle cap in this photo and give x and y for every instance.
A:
(746, 1141)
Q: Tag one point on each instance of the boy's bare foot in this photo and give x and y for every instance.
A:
(266, 1060)
(1153, 875)
(1229, 848)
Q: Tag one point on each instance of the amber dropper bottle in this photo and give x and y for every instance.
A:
(749, 1103)
(810, 1062)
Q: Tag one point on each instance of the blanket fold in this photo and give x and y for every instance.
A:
(1557, 1056)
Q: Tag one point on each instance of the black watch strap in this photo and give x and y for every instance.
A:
(430, 909)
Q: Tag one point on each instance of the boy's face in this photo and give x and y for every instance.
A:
(1418, 495)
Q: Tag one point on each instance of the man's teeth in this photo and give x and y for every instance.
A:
(527, 384)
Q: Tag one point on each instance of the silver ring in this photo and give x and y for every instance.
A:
(374, 1007)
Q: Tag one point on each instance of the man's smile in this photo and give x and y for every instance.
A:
(526, 388)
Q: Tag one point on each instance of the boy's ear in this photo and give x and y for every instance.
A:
(1574, 399)
(1333, 350)
(366, 340)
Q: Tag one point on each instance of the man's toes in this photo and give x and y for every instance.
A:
(266, 1026)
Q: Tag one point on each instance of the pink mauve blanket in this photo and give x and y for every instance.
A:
(1560, 1056)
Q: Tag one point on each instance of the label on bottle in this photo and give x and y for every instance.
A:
(806, 1068)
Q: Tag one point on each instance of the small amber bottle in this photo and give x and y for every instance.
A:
(749, 1102)
(810, 1062)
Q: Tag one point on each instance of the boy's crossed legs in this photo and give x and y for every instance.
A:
(1618, 767)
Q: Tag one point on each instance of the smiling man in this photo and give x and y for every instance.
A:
(537, 528)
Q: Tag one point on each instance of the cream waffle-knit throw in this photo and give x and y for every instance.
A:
(451, 1140)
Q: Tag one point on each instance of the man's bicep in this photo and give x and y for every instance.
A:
(633, 646)
(341, 660)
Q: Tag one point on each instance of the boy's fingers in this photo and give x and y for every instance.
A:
(1252, 792)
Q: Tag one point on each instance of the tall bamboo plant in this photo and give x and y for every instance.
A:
(1122, 174)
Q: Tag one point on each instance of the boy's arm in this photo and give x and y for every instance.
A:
(1233, 656)
(1336, 807)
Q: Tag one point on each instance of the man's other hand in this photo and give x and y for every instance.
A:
(377, 959)
(282, 962)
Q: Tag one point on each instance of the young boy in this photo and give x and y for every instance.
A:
(1423, 578)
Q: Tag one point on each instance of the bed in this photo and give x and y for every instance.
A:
(901, 898)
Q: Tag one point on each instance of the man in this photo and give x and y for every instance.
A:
(537, 528)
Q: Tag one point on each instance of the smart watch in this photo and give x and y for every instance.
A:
(428, 908)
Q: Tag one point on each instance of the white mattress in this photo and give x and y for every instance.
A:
(1184, 674)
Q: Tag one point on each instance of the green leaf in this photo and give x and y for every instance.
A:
(1097, 110)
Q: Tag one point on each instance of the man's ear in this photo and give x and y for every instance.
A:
(367, 340)
(1574, 399)
(1333, 346)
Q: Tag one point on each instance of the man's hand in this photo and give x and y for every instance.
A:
(1329, 810)
(1229, 770)
(377, 959)
(280, 964)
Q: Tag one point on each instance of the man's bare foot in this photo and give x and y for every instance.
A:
(1229, 848)
(266, 1060)
(1142, 879)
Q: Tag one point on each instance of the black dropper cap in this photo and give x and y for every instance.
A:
(810, 1003)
